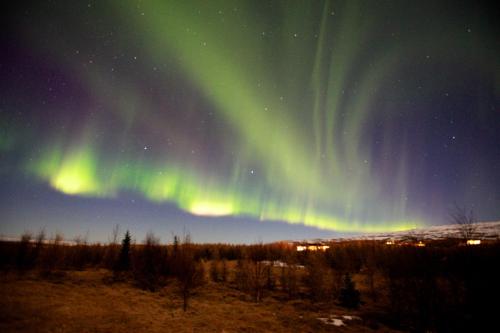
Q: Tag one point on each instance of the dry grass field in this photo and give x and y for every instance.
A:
(184, 287)
(86, 301)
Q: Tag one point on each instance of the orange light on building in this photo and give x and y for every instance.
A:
(312, 247)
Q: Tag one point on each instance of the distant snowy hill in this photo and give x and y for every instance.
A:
(482, 230)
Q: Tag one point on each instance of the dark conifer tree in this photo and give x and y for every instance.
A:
(349, 295)
(123, 263)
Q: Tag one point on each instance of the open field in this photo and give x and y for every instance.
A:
(351, 286)
(83, 301)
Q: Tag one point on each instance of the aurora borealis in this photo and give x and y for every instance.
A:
(341, 116)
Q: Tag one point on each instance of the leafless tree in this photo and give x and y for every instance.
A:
(317, 276)
(39, 241)
(24, 251)
(465, 220)
(289, 279)
(112, 250)
(257, 279)
(53, 256)
(257, 276)
(114, 235)
(242, 275)
(214, 267)
(224, 271)
(189, 272)
(40, 237)
(146, 263)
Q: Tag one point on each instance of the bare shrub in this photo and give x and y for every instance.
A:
(370, 271)
(256, 270)
(218, 268)
(190, 273)
(214, 267)
(257, 279)
(242, 276)
(317, 277)
(289, 280)
(24, 259)
(147, 263)
(111, 254)
(38, 248)
(269, 276)
(53, 256)
(114, 234)
(80, 253)
(335, 280)
(465, 220)
(224, 271)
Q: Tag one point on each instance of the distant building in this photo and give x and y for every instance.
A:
(311, 247)
(405, 242)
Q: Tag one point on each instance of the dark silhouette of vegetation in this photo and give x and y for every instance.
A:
(256, 270)
(224, 271)
(442, 287)
(316, 278)
(123, 263)
(215, 274)
(270, 278)
(111, 253)
(242, 275)
(147, 263)
(80, 254)
(52, 258)
(466, 221)
(190, 273)
(289, 280)
(349, 295)
(24, 255)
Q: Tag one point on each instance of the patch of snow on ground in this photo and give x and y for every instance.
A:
(351, 317)
(336, 320)
(332, 321)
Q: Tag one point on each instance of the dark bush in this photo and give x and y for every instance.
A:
(349, 295)
(147, 263)
(189, 272)
(123, 262)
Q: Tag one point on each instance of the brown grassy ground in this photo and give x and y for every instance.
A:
(84, 302)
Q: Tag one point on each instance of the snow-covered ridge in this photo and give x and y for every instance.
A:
(481, 230)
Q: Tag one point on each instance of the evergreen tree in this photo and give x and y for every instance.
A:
(123, 263)
(349, 295)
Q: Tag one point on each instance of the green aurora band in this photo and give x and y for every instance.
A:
(290, 140)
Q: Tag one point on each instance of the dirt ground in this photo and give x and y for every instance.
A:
(85, 302)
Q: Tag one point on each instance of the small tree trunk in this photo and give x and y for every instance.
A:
(185, 299)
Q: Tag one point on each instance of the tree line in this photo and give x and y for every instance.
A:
(440, 287)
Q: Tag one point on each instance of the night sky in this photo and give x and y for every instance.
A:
(246, 121)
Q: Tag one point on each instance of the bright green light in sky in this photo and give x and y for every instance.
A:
(75, 177)
(292, 149)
